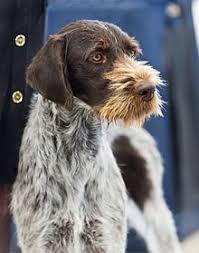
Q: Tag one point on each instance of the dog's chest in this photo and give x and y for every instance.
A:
(94, 180)
(71, 163)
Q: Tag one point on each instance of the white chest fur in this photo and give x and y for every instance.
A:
(68, 186)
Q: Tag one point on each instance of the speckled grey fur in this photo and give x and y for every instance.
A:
(69, 196)
(155, 223)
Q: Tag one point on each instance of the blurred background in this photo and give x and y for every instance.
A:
(168, 32)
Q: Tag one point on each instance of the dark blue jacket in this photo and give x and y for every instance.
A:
(21, 35)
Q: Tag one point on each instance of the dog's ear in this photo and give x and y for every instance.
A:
(48, 75)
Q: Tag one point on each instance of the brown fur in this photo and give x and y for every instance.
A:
(134, 171)
(125, 102)
(62, 69)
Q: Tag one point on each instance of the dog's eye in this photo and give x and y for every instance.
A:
(98, 58)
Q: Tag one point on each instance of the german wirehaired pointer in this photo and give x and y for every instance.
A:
(69, 195)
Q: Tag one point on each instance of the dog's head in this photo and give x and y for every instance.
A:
(96, 62)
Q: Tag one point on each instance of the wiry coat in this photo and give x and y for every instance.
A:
(69, 195)
(142, 169)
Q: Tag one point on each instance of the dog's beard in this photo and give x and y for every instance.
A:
(124, 103)
(129, 109)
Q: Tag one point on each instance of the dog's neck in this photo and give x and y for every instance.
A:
(79, 129)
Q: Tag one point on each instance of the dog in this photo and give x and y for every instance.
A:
(69, 195)
(142, 169)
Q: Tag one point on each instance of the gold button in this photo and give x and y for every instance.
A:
(174, 10)
(17, 97)
(20, 40)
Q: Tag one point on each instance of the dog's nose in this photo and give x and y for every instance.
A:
(146, 93)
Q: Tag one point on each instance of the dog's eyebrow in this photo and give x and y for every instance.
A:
(99, 45)
(102, 44)
(136, 50)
